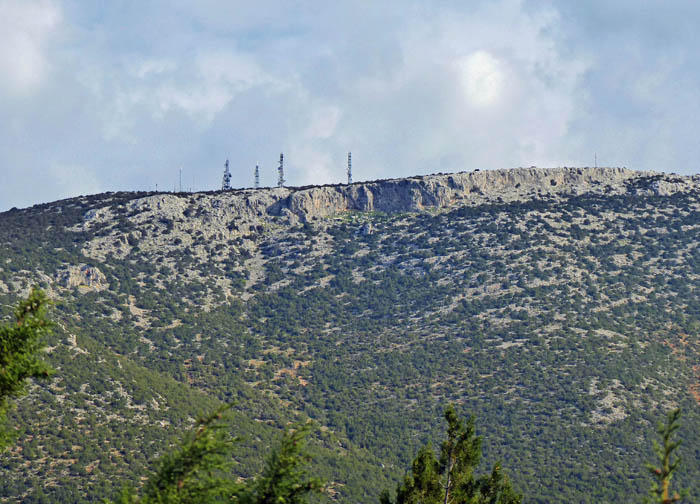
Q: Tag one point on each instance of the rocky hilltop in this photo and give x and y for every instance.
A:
(561, 306)
(446, 190)
(408, 194)
(236, 219)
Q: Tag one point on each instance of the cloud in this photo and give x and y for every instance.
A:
(26, 27)
(71, 180)
(480, 87)
(144, 68)
(129, 92)
(482, 78)
(214, 79)
(322, 122)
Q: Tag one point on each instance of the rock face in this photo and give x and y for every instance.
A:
(444, 190)
(243, 210)
(228, 227)
(84, 277)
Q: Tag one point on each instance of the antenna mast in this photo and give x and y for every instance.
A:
(180, 187)
(257, 176)
(280, 172)
(349, 168)
(226, 184)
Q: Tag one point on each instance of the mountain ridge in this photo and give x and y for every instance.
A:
(445, 190)
(558, 305)
(438, 189)
(406, 194)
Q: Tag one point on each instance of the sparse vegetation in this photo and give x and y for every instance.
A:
(567, 323)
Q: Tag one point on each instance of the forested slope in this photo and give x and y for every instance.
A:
(560, 309)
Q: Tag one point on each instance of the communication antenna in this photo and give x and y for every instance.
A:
(180, 186)
(349, 168)
(280, 172)
(595, 156)
(226, 184)
(257, 176)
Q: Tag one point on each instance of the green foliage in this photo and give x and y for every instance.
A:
(661, 488)
(423, 484)
(451, 480)
(20, 359)
(285, 479)
(200, 470)
(564, 322)
(459, 456)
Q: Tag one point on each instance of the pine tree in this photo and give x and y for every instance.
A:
(423, 484)
(285, 479)
(661, 487)
(451, 479)
(459, 456)
(200, 470)
(20, 360)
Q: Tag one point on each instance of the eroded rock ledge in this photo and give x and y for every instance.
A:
(244, 210)
(444, 190)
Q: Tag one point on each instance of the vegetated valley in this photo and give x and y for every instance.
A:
(560, 307)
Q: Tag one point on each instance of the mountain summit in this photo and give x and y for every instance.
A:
(560, 306)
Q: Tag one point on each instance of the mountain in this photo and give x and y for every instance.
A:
(559, 306)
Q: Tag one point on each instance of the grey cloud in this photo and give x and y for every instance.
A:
(133, 91)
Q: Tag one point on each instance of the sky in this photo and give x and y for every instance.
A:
(126, 95)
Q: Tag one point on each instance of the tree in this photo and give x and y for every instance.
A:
(20, 346)
(661, 487)
(460, 455)
(451, 479)
(423, 484)
(285, 479)
(200, 470)
(197, 471)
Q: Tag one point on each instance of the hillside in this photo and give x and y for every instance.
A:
(560, 306)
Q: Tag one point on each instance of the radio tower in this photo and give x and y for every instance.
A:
(226, 184)
(257, 176)
(349, 168)
(280, 172)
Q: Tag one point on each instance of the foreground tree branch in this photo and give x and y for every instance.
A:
(20, 355)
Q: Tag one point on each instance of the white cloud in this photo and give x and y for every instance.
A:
(409, 87)
(236, 70)
(209, 84)
(26, 27)
(203, 103)
(200, 86)
(482, 78)
(483, 86)
(312, 166)
(322, 122)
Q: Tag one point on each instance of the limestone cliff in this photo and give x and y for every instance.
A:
(444, 190)
(250, 207)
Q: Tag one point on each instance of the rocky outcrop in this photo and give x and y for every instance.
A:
(83, 276)
(243, 211)
(445, 190)
(665, 185)
(228, 227)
